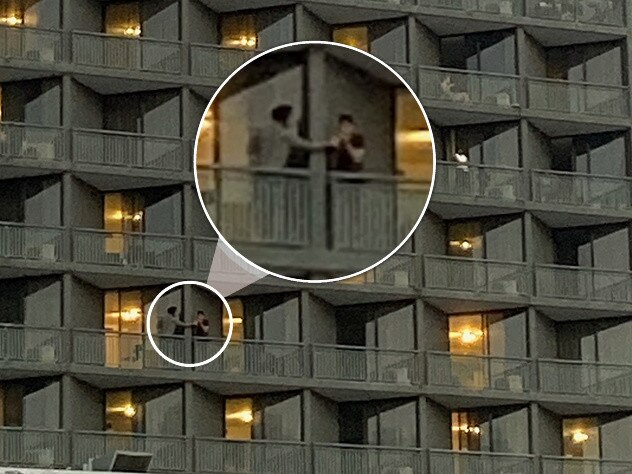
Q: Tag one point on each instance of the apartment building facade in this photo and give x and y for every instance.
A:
(496, 340)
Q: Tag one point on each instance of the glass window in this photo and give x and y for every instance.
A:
(356, 36)
(239, 31)
(123, 19)
(496, 238)
(163, 414)
(42, 407)
(282, 420)
(36, 102)
(158, 212)
(238, 418)
(120, 412)
(398, 426)
(581, 437)
(494, 145)
(489, 334)
(490, 52)
(472, 431)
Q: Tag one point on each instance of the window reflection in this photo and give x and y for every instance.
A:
(603, 436)
(261, 30)
(489, 52)
(267, 417)
(491, 431)
(491, 238)
(494, 145)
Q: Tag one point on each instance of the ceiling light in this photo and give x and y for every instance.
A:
(11, 20)
(131, 315)
(245, 416)
(579, 437)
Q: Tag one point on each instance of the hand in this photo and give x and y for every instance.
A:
(335, 141)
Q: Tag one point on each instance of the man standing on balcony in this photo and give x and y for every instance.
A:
(348, 146)
(171, 324)
(202, 325)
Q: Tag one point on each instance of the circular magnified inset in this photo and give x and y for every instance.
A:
(315, 161)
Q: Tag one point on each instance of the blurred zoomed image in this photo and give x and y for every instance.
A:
(314, 161)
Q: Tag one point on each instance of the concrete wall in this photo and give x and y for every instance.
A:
(548, 431)
(534, 58)
(543, 247)
(90, 213)
(321, 318)
(437, 426)
(86, 107)
(82, 406)
(537, 151)
(324, 419)
(86, 305)
(204, 412)
(543, 336)
(425, 47)
(309, 26)
(83, 15)
(431, 235)
(433, 328)
(202, 24)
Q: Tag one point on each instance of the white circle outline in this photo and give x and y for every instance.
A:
(327, 280)
(186, 364)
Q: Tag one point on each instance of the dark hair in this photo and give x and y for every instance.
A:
(345, 118)
(200, 312)
(172, 309)
(281, 113)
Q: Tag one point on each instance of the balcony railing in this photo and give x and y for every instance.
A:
(128, 150)
(117, 52)
(456, 462)
(217, 62)
(250, 357)
(364, 364)
(373, 212)
(400, 270)
(476, 275)
(578, 189)
(169, 452)
(222, 455)
(32, 447)
(600, 12)
(27, 242)
(203, 252)
(23, 142)
(558, 465)
(407, 72)
(30, 44)
(128, 249)
(480, 181)
(366, 459)
(125, 350)
(577, 97)
(570, 377)
(259, 205)
(30, 344)
(583, 283)
(468, 87)
(502, 7)
(479, 372)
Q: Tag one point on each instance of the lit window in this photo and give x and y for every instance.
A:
(120, 411)
(581, 437)
(239, 418)
(123, 19)
(239, 32)
(355, 36)
(237, 308)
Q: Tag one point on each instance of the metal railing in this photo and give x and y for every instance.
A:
(600, 12)
(373, 212)
(468, 87)
(119, 52)
(31, 142)
(257, 205)
(356, 459)
(580, 189)
(129, 150)
(577, 97)
(32, 447)
(476, 275)
(203, 252)
(583, 283)
(461, 462)
(30, 44)
(169, 452)
(400, 270)
(501, 7)
(266, 457)
(479, 372)
(125, 350)
(570, 377)
(482, 181)
(28, 242)
(251, 357)
(217, 62)
(101, 247)
(365, 364)
(568, 465)
(407, 71)
(31, 344)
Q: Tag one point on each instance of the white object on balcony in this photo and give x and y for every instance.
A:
(400, 278)
(47, 354)
(515, 383)
(503, 98)
(48, 252)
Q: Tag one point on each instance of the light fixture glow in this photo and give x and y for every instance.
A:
(476, 430)
(131, 315)
(132, 31)
(244, 416)
(128, 410)
(12, 20)
(467, 336)
(579, 437)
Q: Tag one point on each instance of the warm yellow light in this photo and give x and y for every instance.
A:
(462, 244)
(132, 31)
(235, 321)
(414, 136)
(11, 20)
(467, 336)
(138, 216)
(117, 215)
(131, 315)
(127, 410)
(467, 429)
(244, 416)
(579, 437)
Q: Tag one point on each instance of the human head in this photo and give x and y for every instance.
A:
(172, 309)
(282, 114)
(346, 123)
(201, 314)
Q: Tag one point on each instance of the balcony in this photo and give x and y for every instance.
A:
(366, 459)
(454, 462)
(556, 465)
(169, 452)
(364, 364)
(476, 275)
(31, 145)
(568, 377)
(222, 455)
(479, 373)
(399, 271)
(34, 243)
(602, 12)
(128, 150)
(136, 250)
(499, 7)
(32, 447)
(99, 348)
(468, 87)
(30, 44)
(583, 284)
(217, 62)
(480, 181)
(127, 54)
(581, 190)
(250, 357)
(407, 72)
(554, 95)
(30, 344)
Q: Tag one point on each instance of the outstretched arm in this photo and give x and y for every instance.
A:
(302, 143)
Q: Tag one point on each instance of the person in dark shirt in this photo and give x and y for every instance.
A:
(348, 147)
(202, 325)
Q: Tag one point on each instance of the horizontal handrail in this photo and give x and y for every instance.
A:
(127, 134)
(475, 260)
(554, 266)
(480, 356)
(468, 72)
(250, 341)
(575, 83)
(572, 174)
(365, 349)
(479, 165)
(255, 170)
(24, 225)
(127, 233)
(30, 125)
(135, 38)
